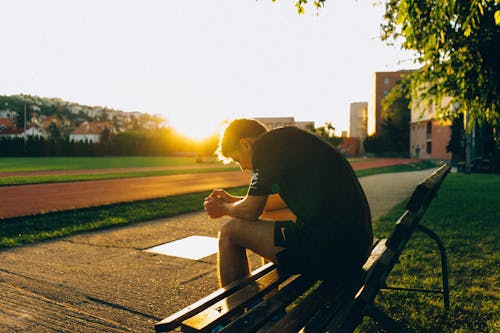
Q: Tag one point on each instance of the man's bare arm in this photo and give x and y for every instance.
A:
(248, 208)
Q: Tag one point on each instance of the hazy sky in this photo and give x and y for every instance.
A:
(197, 62)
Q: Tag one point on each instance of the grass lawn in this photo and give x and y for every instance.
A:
(18, 164)
(465, 215)
(15, 164)
(24, 180)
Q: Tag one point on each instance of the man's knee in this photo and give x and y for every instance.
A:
(229, 233)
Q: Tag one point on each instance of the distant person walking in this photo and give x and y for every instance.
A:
(331, 233)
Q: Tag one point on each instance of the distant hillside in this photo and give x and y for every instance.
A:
(74, 113)
(54, 127)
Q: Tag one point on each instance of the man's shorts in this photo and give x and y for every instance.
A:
(316, 253)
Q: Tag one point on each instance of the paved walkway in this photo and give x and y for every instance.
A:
(105, 282)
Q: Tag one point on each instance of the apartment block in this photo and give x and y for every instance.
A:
(429, 135)
(383, 82)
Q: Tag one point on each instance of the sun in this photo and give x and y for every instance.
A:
(195, 129)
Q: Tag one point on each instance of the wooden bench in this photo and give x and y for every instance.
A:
(252, 304)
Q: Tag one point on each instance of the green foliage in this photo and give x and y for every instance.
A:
(455, 145)
(327, 133)
(30, 164)
(301, 5)
(374, 144)
(457, 43)
(395, 119)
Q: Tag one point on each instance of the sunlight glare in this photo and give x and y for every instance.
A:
(196, 129)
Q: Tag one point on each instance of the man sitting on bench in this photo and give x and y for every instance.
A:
(332, 234)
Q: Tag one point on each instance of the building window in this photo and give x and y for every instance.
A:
(429, 147)
(386, 81)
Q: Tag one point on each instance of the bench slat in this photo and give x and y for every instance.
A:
(265, 310)
(318, 299)
(222, 310)
(177, 318)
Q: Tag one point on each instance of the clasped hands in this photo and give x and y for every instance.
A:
(214, 203)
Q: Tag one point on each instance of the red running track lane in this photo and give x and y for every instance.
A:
(34, 199)
(25, 200)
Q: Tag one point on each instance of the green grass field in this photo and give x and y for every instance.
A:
(188, 164)
(465, 215)
(24, 180)
(15, 164)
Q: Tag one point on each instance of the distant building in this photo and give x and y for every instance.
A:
(349, 146)
(32, 131)
(47, 121)
(12, 115)
(383, 82)
(275, 122)
(305, 125)
(429, 136)
(358, 117)
(90, 132)
(6, 123)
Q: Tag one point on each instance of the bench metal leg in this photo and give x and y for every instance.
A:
(445, 291)
(444, 264)
(387, 322)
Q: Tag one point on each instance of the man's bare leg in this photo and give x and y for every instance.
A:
(235, 237)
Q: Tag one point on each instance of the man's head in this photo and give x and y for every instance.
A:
(236, 141)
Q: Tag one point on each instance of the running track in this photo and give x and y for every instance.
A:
(25, 200)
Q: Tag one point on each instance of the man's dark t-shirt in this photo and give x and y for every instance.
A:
(319, 186)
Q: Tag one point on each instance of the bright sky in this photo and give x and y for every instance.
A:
(197, 62)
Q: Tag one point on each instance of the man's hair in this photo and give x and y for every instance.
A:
(237, 129)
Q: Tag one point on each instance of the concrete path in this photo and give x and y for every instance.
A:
(105, 282)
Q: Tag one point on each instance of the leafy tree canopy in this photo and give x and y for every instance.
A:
(301, 5)
(457, 44)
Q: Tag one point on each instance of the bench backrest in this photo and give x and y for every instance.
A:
(394, 245)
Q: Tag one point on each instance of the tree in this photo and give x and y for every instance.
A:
(327, 132)
(54, 132)
(457, 45)
(395, 119)
(300, 5)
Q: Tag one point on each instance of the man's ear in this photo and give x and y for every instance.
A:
(246, 143)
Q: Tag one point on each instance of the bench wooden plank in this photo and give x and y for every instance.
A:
(177, 318)
(222, 310)
(265, 310)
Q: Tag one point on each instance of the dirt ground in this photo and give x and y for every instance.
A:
(23, 200)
